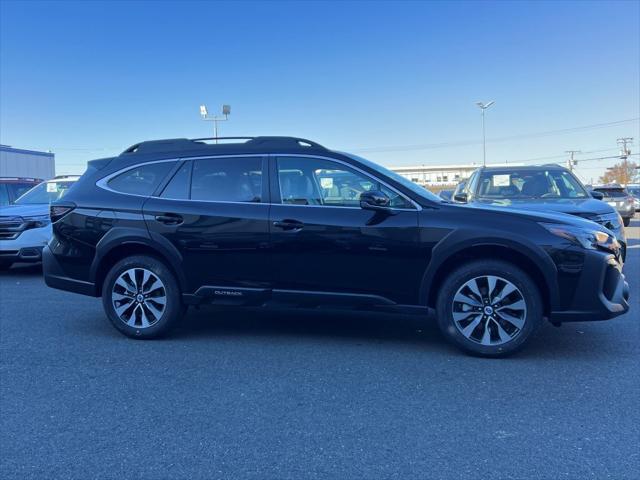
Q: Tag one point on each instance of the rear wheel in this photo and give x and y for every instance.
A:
(141, 297)
(489, 308)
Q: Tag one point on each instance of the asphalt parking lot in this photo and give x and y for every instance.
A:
(307, 395)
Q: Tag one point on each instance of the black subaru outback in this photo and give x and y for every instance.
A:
(280, 220)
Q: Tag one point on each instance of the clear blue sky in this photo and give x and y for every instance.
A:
(88, 79)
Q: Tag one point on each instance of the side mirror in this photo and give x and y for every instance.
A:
(461, 197)
(597, 195)
(375, 200)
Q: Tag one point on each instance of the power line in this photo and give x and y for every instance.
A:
(428, 146)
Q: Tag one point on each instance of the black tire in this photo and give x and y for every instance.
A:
(626, 221)
(173, 308)
(506, 271)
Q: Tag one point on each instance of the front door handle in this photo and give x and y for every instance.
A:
(169, 219)
(289, 225)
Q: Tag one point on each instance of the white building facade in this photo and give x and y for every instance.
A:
(436, 175)
(440, 175)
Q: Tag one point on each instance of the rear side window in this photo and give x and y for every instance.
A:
(227, 179)
(142, 180)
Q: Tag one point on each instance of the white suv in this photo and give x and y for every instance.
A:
(25, 227)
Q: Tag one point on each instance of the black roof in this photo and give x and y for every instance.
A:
(223, 145)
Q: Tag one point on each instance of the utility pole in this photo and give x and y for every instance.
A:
(624, 154)
(483, 106)
(571, 161)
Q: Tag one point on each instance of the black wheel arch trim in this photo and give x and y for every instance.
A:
(459, 241)
(119, 236)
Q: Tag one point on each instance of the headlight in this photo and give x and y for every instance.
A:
(39, 221)
(584, 237)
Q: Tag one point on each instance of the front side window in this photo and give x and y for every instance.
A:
(314, 181)
(233, 179)
(142, 180)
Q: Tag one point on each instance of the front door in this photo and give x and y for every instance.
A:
(214, 212)
(323, 241)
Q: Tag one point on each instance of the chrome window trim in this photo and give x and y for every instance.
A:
(347, 164)
(103, 182)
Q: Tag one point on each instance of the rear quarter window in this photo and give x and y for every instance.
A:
(142, 180)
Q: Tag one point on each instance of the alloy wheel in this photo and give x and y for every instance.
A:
(489, 310)
(139, 298)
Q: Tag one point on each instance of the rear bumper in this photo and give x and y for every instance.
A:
(602, 292)
(55, 277)
(627, 213)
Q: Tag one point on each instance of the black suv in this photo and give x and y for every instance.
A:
(285, 221)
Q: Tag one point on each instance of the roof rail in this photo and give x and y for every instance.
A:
(173, 144)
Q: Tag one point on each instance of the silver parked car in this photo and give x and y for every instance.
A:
(620, 199)
(25, 227)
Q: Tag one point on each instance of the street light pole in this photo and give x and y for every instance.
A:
(226, 111)
(483, 107)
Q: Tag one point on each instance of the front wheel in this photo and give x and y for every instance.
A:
(489, 308)
(626, 221)
(141, 297)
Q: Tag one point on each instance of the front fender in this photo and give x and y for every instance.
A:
(459, 240)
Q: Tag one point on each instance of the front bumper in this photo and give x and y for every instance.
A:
(601, 292)
(27, 247)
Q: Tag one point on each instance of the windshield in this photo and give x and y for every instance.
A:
(635, 191)
(405, 182)
(46, 192)
(521, 184)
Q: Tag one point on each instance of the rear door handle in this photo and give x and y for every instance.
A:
(289, 225)
(169, 219)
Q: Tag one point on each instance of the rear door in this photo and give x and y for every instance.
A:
(213, 211)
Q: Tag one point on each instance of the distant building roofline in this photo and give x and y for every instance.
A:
(7, 148)
(467, 166)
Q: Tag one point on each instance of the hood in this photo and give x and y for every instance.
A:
(583, 207)
(536, 215)
(33, 210)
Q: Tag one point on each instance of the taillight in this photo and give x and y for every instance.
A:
(56, 212)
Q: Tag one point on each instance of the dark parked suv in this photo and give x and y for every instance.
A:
(285, 221)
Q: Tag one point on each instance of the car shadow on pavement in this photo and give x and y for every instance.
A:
(22, 269)
(413, 331)
(410, 330)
